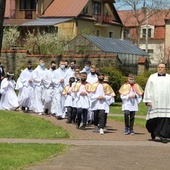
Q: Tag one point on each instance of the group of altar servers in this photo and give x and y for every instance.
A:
(65, 91)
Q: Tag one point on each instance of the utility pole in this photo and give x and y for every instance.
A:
(145, 10)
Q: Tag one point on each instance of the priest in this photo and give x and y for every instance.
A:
(157, 98)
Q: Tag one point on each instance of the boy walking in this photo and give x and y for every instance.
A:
(131, 95)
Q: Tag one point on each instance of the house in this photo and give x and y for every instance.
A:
(152, 34)
(67, 18)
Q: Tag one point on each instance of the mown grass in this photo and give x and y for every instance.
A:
(20, 125)
(19, 156)
(138, 121)
(116, 108)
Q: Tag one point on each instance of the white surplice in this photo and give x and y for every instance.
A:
(82, 101)
(97, 104)
(9, 99)
(157, 91)
(130, 104)
(58, 99)
(37, 77)
(25, 95)
(48, 89)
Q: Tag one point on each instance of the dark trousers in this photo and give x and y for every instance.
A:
(71, 114)
(99, 118)
(105, 120)
(81, 113)
(129, 118)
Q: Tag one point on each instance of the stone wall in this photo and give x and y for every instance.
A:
(15, 60)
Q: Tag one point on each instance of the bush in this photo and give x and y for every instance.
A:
(141, 80)
(115, 79)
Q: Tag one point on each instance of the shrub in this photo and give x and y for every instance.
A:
(115, 79)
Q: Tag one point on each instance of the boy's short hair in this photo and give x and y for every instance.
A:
(53, 62)
(83, 73)
(131, 75)
(29, 62)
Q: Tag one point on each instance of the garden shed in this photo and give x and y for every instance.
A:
(127, 53)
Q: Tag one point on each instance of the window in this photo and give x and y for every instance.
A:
(27, 4)
(96, 7)
(110, 34)
(126, 33)
(150, 51)
(144, 33)
(85, 10)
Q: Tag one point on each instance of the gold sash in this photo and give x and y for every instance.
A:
(65, 91)
(77, 87)
(107, 88)
(125, 89)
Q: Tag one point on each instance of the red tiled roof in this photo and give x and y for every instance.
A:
(129, 20)
(142, 60)
(65, 8)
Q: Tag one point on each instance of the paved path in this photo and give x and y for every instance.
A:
(113, 150)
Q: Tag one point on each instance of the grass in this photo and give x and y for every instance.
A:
(116, 108)
(18, 156)
(138, 121)
(19, 125)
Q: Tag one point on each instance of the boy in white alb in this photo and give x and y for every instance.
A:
(131, 95)
(69, 102)
(81, 95)
(101, 97)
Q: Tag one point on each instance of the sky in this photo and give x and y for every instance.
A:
(120, 6)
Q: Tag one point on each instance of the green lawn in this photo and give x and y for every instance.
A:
(20, 125)
(138, 121)
(116, 108)
(18, 156)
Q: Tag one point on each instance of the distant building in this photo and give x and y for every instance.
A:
(67, 18)
(157, 32)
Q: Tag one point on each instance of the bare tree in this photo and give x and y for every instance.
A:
(2, 13)
(149, 8)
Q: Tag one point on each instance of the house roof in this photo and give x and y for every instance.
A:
(65, 8)
(46, 21)
(129, 20)
(142, 60)
(15, 22)
(116, 46)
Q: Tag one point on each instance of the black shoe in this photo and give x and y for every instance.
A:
(59, 118)
(46, 111)
(83, 128)
(153, 136)
(89, 122)
(68, 121)
(77, 126)
(164, 140)
(23, 108)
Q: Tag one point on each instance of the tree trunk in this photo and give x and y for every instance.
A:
(2, 13)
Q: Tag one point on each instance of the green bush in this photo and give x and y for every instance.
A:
(115, 79)
(141, 80)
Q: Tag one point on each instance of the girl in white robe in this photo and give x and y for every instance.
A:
(9, 100)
